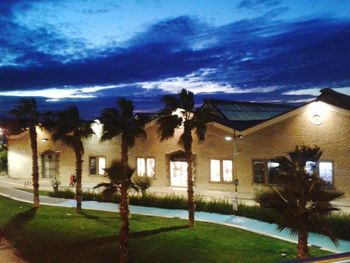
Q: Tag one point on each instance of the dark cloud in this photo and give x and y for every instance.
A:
(251, 4)
(248, 54)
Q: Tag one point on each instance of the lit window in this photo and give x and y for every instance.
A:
(145, 166)
(151, 163)
(97, 164)
(310, 167)
(227, 170)
(326, 171)
(141, 167)
(101, 165)
(215, 170)
(272, 172)
(221, 170)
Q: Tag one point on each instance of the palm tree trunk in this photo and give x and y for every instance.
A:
(78, 172)
(35, 167)
(303, 249)
(190, 192)
(124, 207)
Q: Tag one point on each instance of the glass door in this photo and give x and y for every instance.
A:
(178, 173)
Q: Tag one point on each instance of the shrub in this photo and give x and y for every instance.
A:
(3, 159)
(143, 183)
(339, 223)
(55, 182)
(66, 193)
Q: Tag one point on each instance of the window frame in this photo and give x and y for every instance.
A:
(332, 184)
(146, 166)
(221, 181)
(266, 174)
(97, 158)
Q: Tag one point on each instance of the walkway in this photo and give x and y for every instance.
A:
(248, 224)
(8, 254)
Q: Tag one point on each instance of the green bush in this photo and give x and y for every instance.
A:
(3, 159)
(340, 224)
(65, 193)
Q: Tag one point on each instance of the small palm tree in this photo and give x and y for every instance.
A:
(27, 117)
(190, 120)
(114, 173)
(68, 127)
(301, 198)
(120, 121)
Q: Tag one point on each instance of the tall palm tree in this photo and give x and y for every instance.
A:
(190, 120)
(68, 127)
(301, 198)
(27, 117)
(120, 121)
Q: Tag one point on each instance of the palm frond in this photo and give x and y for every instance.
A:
(301, 199)
(171, 103)
(200, 120)
(110, 119)
(126, 109)
(115, 176)
(167, 125)
(186, 100)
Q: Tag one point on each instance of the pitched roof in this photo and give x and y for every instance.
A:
(335, 98)
(243, 115)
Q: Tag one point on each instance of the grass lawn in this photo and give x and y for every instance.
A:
(53, 234)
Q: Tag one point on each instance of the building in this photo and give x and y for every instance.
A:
(241, 142)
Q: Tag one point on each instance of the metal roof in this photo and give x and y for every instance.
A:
(243, 115)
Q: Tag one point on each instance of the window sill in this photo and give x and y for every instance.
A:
(97, 175)
(221, 182)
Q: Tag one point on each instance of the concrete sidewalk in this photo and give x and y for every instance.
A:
(248, 224)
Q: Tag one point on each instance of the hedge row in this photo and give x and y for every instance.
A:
(340, 223)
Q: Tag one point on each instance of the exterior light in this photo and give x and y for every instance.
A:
(178, 112)
(228, 138)
(317, 112)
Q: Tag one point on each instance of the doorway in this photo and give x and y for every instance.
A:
(178, 173)
(49, 164)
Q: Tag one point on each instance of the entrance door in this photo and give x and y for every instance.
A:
(178, 173)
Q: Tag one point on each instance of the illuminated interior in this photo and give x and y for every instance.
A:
(178, 173)
(215, 170)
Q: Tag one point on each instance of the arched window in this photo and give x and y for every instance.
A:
(49, 164)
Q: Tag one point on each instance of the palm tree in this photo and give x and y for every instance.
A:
(190, 120)
(68, 127)
(114, 173)
(27, 117)
(301, 198)
(120, 121)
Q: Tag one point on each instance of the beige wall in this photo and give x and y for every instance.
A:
(19, 155)
(277, 139)
(332, 136)
(214, 147)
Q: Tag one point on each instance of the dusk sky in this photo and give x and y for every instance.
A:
(91, 52)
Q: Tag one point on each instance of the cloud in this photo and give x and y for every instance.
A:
(56, 94)
(315, 91)
(257, 59)
(249, 4)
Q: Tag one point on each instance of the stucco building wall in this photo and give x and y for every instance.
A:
(332, 135)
